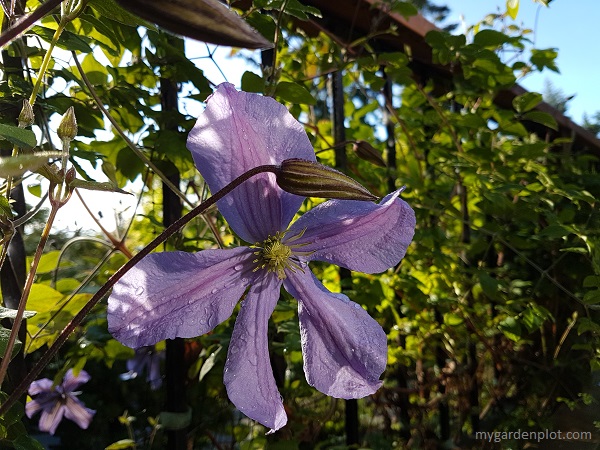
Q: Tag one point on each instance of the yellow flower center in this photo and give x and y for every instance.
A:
(276, 256)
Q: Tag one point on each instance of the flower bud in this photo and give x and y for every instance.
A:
(67, 130)
(26, 117)
(312, 179)
(366, 151)
(70, 175)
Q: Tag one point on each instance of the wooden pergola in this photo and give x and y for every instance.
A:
(347, 20)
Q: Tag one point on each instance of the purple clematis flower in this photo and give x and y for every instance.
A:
(56, 402)
(179, 294)
(146, 359)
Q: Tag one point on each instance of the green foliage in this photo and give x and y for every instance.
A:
(497, 298)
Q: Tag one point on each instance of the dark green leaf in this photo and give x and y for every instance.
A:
(109, 9)
(4, 335)
(542, 118)
(67, 40)
(592, 297)
(18, 136)
(490, 38)
(526, 102)
(544, 58)
(252, 82)
(405, 9)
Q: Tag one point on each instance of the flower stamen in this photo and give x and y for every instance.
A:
(276, 256)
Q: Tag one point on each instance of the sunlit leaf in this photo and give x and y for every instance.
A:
(294, 93)
(512, 8)
(7, 313)
(12, 166)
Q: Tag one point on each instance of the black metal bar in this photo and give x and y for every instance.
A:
(175, 370)
(341, 163)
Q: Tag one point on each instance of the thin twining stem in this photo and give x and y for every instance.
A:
(12, 338)
(26, 22)
(167, 233)
(119, 244)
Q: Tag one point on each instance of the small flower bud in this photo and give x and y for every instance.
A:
(67, 130)
(70, 176)
(366, 151)
(26, 117)
(312, 179)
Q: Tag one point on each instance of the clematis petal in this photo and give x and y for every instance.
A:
(237, 132)
(248, 375)
(72, 382)
(177, 294)
(344, 349)
(42, 385)
(76, 411)
(50, 418)
(32, 407)
(362, 236)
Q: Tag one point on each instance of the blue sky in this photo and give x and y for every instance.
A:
(571, 27)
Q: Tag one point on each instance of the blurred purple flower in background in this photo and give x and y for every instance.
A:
(56, 402)
(177, 294)
(146, 359)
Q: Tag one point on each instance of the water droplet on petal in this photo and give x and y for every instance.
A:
(233, 349)
(139, 290)
(238, 267)
(328, 256)
(214, 291)
(357, 306)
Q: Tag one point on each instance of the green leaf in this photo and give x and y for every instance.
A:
(405, 9)
(526, 102)
(489, 285)
(592, 297)
(4, 336)
(511, 328)
(35, 189)
(97, 186)
(512, 8)
(48, 261)
(554, 232)
(591, 281)
(542, 118)
(453, 319)
(490, 38)
(43, 298)
(7, 313)
(18, 136)
(95, 71)
(111, 10)
(123, 443)
(25, 442)
(544, 58)
(67, 40)
(294, 93)
(252, 82)
(208, 364)
(13, 166)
